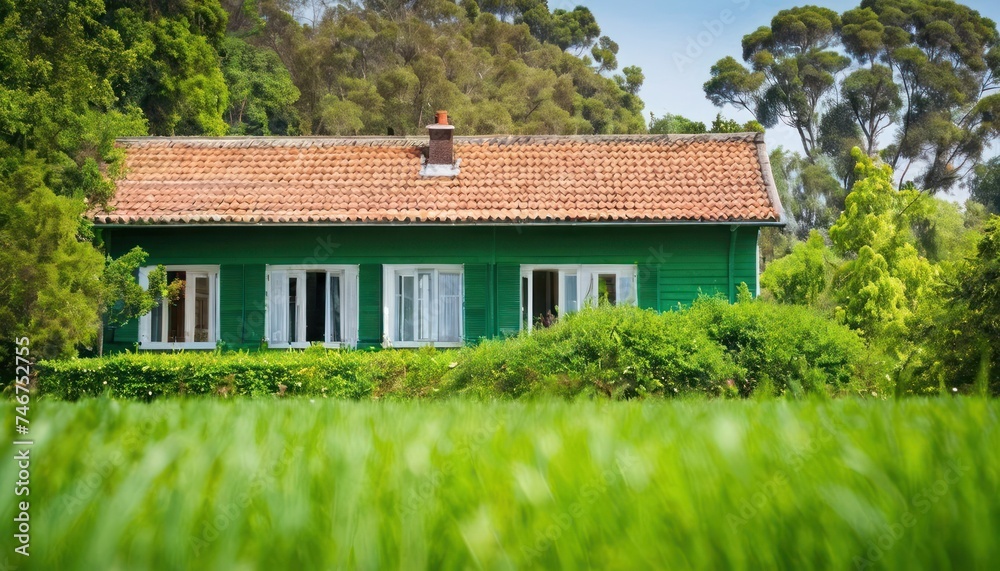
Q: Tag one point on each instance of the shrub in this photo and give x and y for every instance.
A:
(713, 348)
(322, 373)
(793, 349)
(620, 352)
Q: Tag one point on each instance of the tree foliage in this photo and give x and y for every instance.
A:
(51, 273)
(376, 68)
(73, 77)
(792, 68)
(675, 124)
(884, 277)
(984, 186)
(920, 90)
(802, 276)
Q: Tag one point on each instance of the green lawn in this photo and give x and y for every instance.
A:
(296, 484)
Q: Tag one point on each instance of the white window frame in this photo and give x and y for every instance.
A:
(389, 297)
(145, 322)
(586, 284)
(564, 270)
(348, 304)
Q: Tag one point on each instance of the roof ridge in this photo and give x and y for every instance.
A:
(311, 141)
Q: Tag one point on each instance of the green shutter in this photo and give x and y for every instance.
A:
(509, 298)
(369, 305)
(253, 315)
(649, 282)
(231, 304)
(476, 302)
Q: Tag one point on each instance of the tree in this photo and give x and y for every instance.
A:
(944, 58)
(631, 81)
(73, 77)
(793, 67)
(802, 276)
(978, 288)
(958, 333)
(883, 278)
(813, 198)
(51, 273)
(121, 298)
(567, 29)
(261, 92)
(674, 124)
(838, 134)
(722, 125)
(605, 53)
(922, 89)
(985, 184)
(373, 68)
(872, 97)
(178, 81)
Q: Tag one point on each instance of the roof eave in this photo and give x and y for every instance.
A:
(769, 184)
(758, 223)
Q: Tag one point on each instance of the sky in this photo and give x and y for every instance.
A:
(675, 43)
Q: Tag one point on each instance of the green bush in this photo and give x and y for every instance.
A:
(713, 348)
(792, 349)
(317, 373)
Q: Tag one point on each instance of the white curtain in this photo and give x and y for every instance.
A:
(626, 290)
(278, 308)
(571, 293)
(449, 308)
(404, 307)
(349, 307)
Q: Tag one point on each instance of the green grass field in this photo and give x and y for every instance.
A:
(266, 484)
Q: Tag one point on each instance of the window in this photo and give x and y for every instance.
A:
(424, 305)
(312, 304)
(191, 320)
(550, 291)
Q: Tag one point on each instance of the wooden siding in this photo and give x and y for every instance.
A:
(675, 264)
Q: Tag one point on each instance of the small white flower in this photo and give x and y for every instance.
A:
(954, 389)
(150, 393)
(105, 382)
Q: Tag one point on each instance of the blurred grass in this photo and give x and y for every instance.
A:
(293, 484)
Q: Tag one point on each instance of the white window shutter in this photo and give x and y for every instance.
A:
(349, 307)
(277, 309)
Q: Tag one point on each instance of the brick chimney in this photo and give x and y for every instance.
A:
(440, 159)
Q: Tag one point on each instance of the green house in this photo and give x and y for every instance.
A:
(372, 242)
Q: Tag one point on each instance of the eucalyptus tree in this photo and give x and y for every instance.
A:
(922, 88)
(792, 67)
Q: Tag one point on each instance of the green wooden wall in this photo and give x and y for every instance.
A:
(675, 264)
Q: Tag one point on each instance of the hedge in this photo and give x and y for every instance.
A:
(713, 348)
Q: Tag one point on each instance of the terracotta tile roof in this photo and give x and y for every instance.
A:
(673, 178)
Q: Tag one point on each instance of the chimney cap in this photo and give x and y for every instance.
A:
(442, 122)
